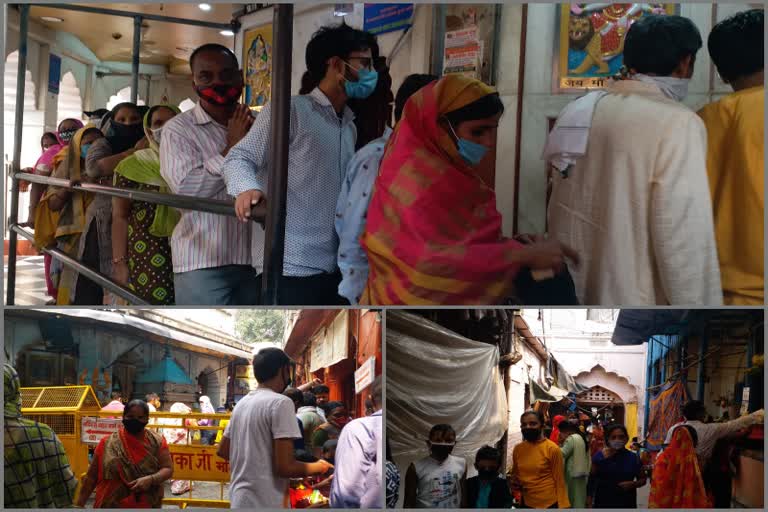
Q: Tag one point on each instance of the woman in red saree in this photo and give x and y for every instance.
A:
(677, 481)
(433, 234)
(129, 467)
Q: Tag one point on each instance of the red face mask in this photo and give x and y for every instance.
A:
(341, 422)
(222, 95)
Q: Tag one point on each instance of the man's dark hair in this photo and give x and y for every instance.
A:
(268, 362)
(213, 48)
(309, 399)
(330, 444)
(487, 106)
(296, 395)
(736, 45)
(304, 456)
(411, 85)
(116, 395)
(656, 44)
(567, 426)
(443, 428)
(152, 396)
(488, 453)
(322, 388)
(328, 407)
(137, 403)
(694, 410)
(333, 41)
(376, 390)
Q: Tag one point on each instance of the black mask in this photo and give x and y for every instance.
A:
(288, 381)
(441, 451)
(487, 474)
(133, 426)
(123, 137)
(531, 434)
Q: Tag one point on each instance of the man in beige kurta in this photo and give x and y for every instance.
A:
(636, 206)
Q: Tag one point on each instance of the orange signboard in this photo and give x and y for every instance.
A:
(198, 462)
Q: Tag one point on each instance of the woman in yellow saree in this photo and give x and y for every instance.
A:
(69, 207)
(433, 233)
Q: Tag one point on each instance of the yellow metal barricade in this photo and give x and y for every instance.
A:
(61, 407)
(67, 408)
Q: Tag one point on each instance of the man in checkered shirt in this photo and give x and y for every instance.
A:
(37, 472)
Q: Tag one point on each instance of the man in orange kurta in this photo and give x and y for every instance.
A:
(735, 157)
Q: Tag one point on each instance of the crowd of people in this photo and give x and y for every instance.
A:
(581, 464)
(403, 216)
(297, 438)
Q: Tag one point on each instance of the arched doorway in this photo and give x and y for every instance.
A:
(32, 129)
(603, 403)
(70, 101)
(208, 384)
(122, 96)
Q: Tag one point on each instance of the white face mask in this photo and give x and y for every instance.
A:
(673, 88)
(156, 132)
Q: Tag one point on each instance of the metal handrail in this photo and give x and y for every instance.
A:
(96, 277)
(182, 202)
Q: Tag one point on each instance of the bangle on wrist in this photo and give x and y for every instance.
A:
(122, 259)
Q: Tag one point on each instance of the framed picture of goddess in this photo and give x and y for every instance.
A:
(590, 42)
(257, 66)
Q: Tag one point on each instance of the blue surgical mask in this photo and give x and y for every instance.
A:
(472, 152)
(84, 150)
(365, 85)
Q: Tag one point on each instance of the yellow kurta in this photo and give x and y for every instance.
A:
(735, 164)
(539, 467)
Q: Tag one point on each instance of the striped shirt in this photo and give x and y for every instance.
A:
(191, 162)
(321, 145)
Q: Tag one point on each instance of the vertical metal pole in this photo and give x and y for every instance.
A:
(136, 55)
(274, 243)
(649, 381)
(703, 347)
(17, 133)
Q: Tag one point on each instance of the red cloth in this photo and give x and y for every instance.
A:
(556, 421)
(136, 448)
(677, 480)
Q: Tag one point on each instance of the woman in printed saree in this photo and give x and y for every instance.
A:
(433, 234)
(140, 247)
(179, 436)
(129, 467)
(677, 480)
(60, 217)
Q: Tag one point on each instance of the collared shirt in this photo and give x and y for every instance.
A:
(358, 471)
(191, 162)
(351, 211)
(321, 145)
(37, 471)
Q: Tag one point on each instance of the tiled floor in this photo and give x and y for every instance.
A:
(30, 281)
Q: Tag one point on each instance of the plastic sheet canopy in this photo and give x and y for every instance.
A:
(437, 376)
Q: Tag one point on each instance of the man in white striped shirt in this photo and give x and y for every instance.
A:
(211, 253)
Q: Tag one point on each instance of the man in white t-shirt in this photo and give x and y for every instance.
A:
(258, 440)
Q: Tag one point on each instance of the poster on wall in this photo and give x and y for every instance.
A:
(54, 73)
(383, 18)
(468, 45)
(329, 346)
(257, 69)
(592, 38)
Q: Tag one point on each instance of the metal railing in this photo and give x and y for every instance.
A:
(272, 215)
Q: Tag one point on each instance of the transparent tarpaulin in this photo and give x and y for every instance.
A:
(437, 376)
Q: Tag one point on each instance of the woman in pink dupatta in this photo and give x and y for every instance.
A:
(44, 167)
